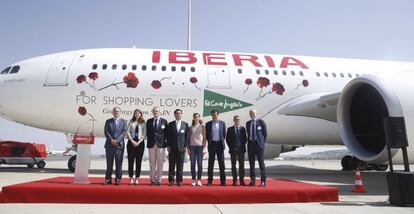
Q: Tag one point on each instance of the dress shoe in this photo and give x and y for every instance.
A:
(251, 184)
(209, 184)
(262, 184)
(234, 183)
(153, 183)
(179, 183)
(158, 183)
(107, 181)
(223, 184)
(170, 183)
(117, 181)
(242, 183)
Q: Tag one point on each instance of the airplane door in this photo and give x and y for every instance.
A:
(59, 71)
(218, 77)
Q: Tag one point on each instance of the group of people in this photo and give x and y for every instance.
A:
(180, 138)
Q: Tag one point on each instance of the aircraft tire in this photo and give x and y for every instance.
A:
(72, 163)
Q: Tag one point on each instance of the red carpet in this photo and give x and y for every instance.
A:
(61, 190)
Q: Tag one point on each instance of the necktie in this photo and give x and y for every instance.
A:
(254, 130)
(156, 123)
(237, 136)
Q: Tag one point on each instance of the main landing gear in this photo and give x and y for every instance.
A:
(349, 162)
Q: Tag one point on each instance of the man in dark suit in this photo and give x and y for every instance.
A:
(236, 141)
(257, 135)
(156, 143)
(115, 130)
(216, 134)
(176, 145)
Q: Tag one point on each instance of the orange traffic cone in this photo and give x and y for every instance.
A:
(359, 188)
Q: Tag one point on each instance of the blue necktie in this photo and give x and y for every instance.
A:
(254, 130)
(237, 136)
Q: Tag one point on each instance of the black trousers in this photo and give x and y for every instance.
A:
(175, 159)
(216, 148)
(135, 155)
(118, 155)
(237, 156)
(254, 151)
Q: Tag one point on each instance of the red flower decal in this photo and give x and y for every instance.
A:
(305, 83)
(263, 82)
(156, 84)
(81, 78)
(131, 80)
(193, 80)
(93, 76)
(82, 111)
(278, 88)
(248, 82)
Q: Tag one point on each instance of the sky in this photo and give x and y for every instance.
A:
(369, 29)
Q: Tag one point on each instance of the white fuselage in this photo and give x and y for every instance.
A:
(48, 91)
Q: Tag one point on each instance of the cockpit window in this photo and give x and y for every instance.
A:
(6, 70)
(15, 69)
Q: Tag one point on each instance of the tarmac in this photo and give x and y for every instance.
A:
(323, 172)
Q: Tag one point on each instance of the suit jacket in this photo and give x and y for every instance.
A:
(158, 135)
(222, 133)
(231, 139)
(177, 140)
(114, 132)
(261, 132)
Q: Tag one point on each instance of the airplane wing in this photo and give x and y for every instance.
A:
(318, 105)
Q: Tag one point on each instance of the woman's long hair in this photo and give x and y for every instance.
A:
(140, 119)
(199, 120)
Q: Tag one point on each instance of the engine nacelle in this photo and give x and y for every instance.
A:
(363, 104)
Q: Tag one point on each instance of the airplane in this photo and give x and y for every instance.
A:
(304, 100)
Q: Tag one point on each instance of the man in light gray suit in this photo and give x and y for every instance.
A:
(115, 131)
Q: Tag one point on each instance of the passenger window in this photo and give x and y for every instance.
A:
(124, 67)
(104, 66)
(192, 69)
(173, 68)
(342, 75)
(144, 67)
(267, 72)
(318, 74)
(284, 73)
(114, 67)
(183, 69)
(301, 73)
(326, 74)
(15, 69)
(154, 67)
(163, 68)
(240, 70)
(257, 71)
(293, 73)
(357, 75)
(94, 66)
(334, 74)
(6, 70)
(275, 72)
(349, 75)
(134, 67)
